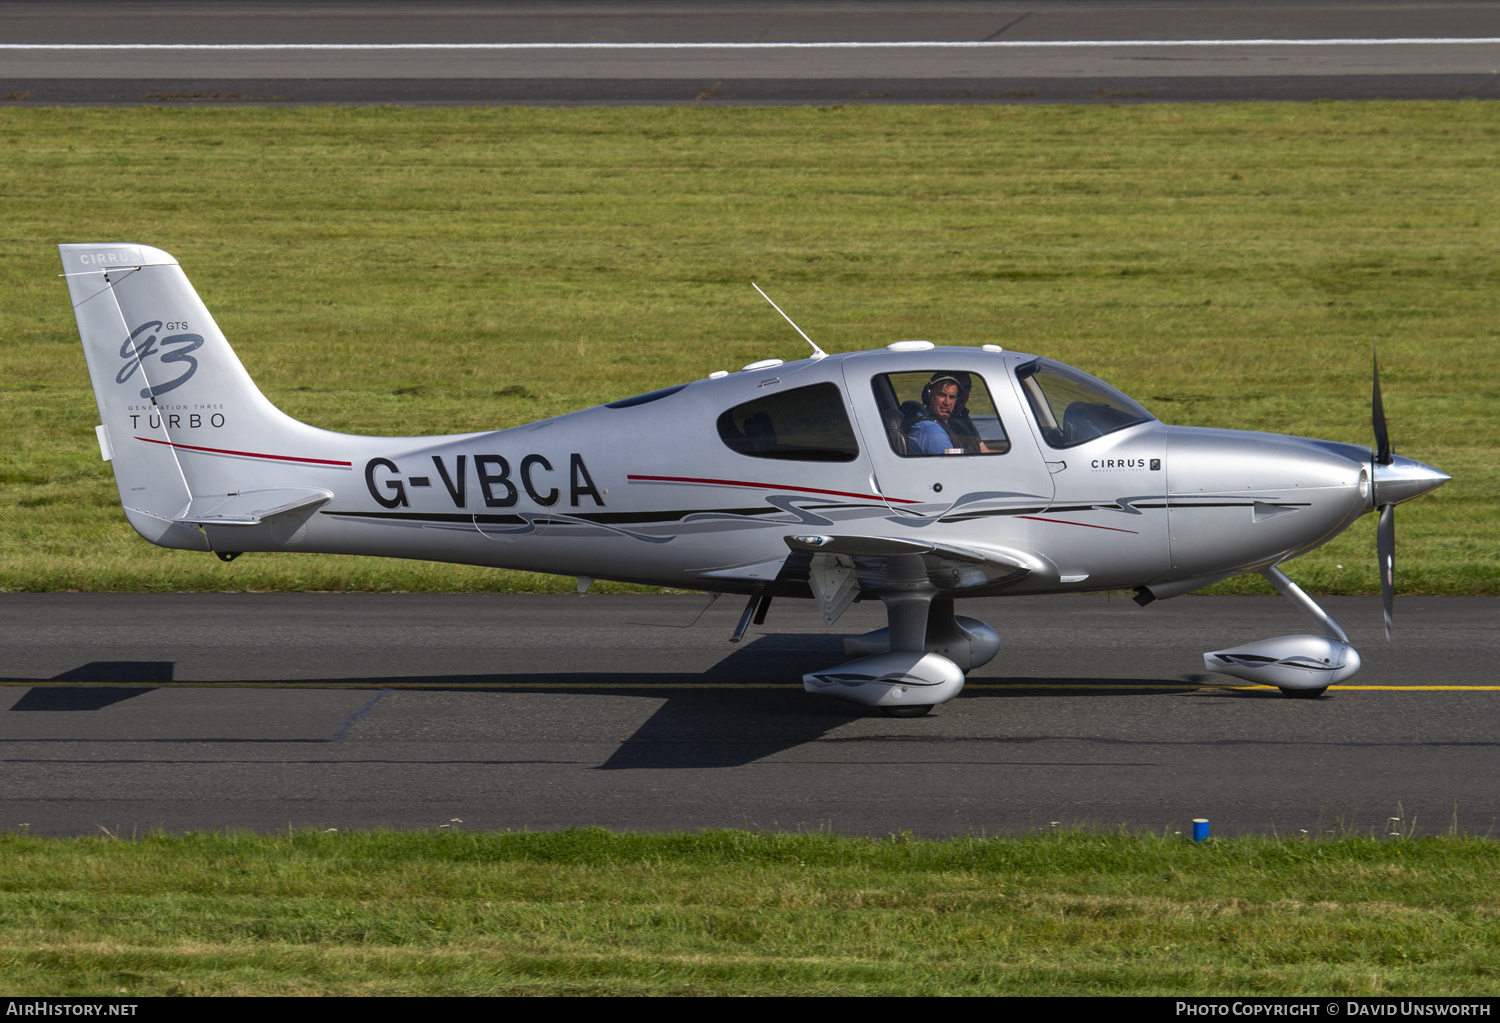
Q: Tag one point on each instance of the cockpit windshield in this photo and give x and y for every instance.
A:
(1072, 407)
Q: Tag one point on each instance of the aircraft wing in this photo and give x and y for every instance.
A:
(250, 507)
(843, 566)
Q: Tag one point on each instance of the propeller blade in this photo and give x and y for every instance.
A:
(1385, 546)
(1377, 419)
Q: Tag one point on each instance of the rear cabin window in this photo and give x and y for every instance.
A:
(938, 413)
(805, 424)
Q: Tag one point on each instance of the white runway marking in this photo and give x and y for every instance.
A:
(997, 44)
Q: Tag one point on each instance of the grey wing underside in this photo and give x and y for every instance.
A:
(842, 567)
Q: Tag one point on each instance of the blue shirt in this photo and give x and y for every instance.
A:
(927, 437)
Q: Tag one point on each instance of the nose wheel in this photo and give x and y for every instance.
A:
(906, 712)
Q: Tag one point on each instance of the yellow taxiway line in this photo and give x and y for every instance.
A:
(1226, 685)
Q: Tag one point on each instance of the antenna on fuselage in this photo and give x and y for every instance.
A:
(818, 353)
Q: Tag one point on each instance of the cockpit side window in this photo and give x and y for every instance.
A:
(1072, 407)
(805, 424)
(939, 412)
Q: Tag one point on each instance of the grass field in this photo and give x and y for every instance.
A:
(404, 271)
(589, 912)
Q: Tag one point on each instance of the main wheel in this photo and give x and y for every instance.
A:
(1303, 694)
(906, 712)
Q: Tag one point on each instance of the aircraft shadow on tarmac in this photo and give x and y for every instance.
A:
(748, 706)
(149, 674)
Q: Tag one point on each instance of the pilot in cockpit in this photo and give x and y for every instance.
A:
(943, 427)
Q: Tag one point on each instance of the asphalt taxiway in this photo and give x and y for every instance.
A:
(261, 711)
(693, 51)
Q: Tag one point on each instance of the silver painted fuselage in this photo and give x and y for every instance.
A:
(650, 494)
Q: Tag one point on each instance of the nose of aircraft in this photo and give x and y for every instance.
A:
(1404, 479)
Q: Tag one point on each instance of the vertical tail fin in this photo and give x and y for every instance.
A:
(181, 417)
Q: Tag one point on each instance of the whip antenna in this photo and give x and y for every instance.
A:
(818, 353)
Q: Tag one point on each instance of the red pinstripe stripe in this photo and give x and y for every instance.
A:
(245, 454)
(1087, 525)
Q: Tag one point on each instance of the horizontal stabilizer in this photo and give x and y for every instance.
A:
(251, 507)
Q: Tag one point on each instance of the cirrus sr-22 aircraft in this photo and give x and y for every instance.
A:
(914, 474)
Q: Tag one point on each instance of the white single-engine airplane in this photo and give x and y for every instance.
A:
(914, 475)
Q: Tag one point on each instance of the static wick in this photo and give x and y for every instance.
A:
(818, 353)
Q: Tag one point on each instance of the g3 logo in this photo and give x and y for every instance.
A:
(134, 352)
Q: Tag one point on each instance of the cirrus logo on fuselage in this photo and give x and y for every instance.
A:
(135, 352)
(1152, 464)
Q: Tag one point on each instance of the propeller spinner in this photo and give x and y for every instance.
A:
(1395, 479)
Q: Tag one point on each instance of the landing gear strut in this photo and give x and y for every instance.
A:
(1302, 667)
